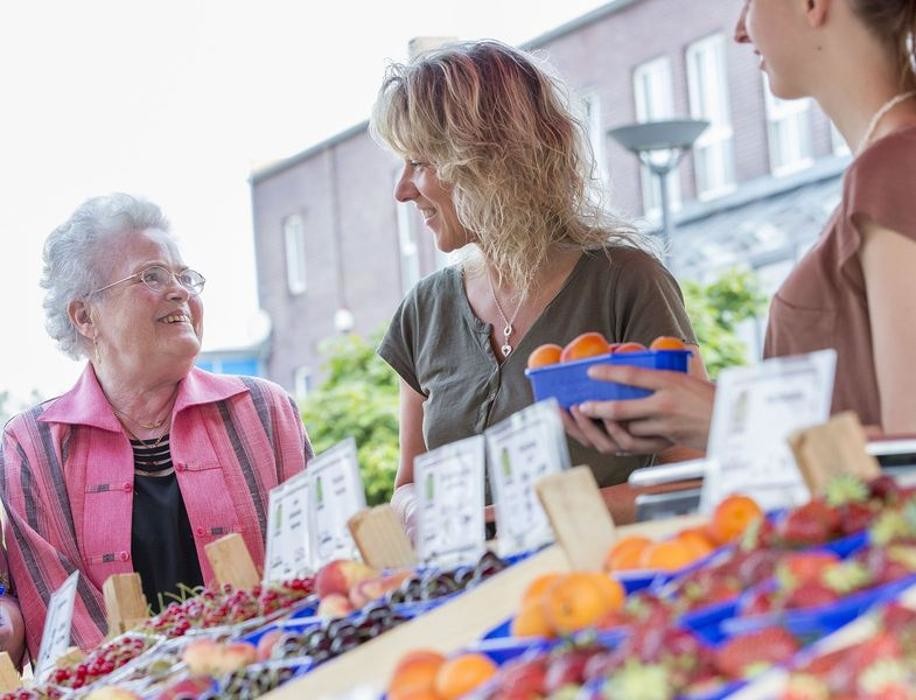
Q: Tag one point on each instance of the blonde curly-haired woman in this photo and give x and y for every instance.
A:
(495, 160)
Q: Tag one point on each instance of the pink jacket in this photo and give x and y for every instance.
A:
(66, 481)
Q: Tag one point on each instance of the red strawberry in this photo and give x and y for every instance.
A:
(810, 595)
(884, 488)
(748, 652)
(811, 524)
(798, 568)
(523, 679)
(760, 603)
(757, 566)
(855, 517)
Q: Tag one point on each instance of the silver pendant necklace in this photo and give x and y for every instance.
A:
(508, 329)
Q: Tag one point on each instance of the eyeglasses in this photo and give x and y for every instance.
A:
(158, 278)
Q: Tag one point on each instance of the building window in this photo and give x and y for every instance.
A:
(294, 241)
(654, 98)
(713, 156)
(302, 382)
(407, 243)
(594, 130)
(788, 132)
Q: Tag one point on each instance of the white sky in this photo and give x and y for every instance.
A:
(176, 100)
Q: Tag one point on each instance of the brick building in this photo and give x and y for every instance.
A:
(330, 239)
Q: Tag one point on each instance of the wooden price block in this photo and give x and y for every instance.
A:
(836, 447)
(125, 604)
(579, 517)
(71, 657)
(381, 539)
(9, 676)
(232, 562)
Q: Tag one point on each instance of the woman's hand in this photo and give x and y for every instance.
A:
(678, 413)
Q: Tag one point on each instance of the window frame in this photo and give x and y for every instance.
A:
(294, 251)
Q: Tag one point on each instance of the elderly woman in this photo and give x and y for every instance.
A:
(495, 160)
(147, 459)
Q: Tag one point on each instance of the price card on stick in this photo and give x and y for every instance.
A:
(450, 503)
(288, 554)
(521, 450)
(335, 495)
(55, 640)
(756, 410)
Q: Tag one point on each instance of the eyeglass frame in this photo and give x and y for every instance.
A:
(138, 276)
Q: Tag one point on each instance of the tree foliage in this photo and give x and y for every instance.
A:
(359, 398)
(716, 309)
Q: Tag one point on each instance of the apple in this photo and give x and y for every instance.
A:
(206, 657)
(267, 642)
(334, 605)
(340, 576)
(521, 680)
(186, 688)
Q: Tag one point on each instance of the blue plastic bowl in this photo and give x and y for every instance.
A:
(570, 385)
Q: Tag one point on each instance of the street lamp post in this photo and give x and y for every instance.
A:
(660, 146)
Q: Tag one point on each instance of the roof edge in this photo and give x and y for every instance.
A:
(582, 21)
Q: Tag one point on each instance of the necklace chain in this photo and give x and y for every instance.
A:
(148, 426)
(879, 115)
(143, 442)
(508, 329)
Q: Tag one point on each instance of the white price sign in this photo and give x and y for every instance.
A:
(521, 450)
(335, 495)
(756, 410)
(287, 553)
(450, 503)
(55, 640)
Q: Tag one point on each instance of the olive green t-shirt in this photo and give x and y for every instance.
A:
(442, 349)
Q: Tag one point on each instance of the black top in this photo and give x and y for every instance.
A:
(162, 545)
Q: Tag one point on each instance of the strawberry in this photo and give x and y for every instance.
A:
(798, 568)
(855, 517)
(810, 595)
(812, 524)
(760, 603)
(885, 489)
(740, 655)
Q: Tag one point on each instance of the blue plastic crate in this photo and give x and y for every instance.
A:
(570, 384)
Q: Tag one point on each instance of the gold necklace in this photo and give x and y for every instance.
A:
(143, 442)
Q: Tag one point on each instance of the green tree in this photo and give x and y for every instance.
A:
(359, 398)
(716, 309)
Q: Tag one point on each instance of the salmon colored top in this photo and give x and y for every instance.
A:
(67, 481)
(823, 303)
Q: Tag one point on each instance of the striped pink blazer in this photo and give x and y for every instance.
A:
(66, 481)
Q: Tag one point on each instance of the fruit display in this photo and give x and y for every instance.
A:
(102, 661)
(430, 585)
(881, 666)
(219, 607)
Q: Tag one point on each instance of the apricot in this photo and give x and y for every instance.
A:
(697, 539)
(667, 342)
(626, 553)
(415, 675)
(732, 516)
(669, 555)
(575, 602)
(544, 355)
(531, 621)
(537, 588)
(586, 345)
(462, 674)
(629, 347)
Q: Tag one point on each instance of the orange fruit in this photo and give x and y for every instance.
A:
(667, 342)
(462, 674)
(629, 347)
(585, 345)
(697, 539)
(537, 588)
(732, 516)
(415, 675)
(613, 591)
(626, 553)
(544, 355)
(531, 621)
(575, 602)
(669, 555)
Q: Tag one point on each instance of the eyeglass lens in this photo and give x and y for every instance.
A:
(158, 278)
